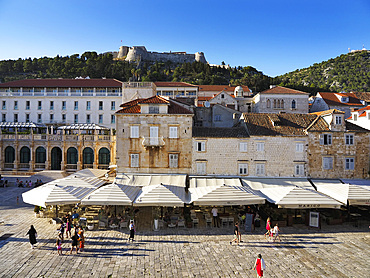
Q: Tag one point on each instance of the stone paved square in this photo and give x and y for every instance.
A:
(333, 251)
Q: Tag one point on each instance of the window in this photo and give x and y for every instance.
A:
(174, 160)
(64, 105)
(75, 119)
(27, 118)
(39, 118)
(134, 160)
(327, 163)
(100, 118)
(153, 109)
(3, 118)
(76, 105)
(260, 169)
(201, 168)
(325, 139)
(268, 104)
(338, 120)
(51, 105)
(28, 105)
(243, 146)
(15, 118)
(15, 105)
(349, 139)
(201, 146)
(113, 105)
(63, 118)
(134, 131)
(260, 146)
(355, 117)
(217, 118)
(51, 118)
(39, 105)
(113, 119)
(88, 105)
(299, 147)
(173, 132)
(100, 105)
(243, 168)
(349, 163)
(88, 118)
(299, 170)
(293, 104)
(4, 105)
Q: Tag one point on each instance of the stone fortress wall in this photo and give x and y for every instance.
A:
(139, 53)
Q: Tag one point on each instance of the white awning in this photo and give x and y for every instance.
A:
(359, 182)
(150, 179)
(344, 192)
(20, 124)
(69, 190)
(291, 193)
(161, 195)
(83, 127)
(88, 172)
(112, 194)
(221, 192)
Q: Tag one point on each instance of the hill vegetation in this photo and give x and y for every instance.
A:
(347, 72)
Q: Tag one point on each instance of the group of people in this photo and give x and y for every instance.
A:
(272, 232)
(78, 238)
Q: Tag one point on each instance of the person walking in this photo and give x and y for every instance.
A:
(259, 266)
(214, 212)
(275, 232)
(32, 234)
(132, 230)
(68, 227)
(74, 242)
(81, 239)
(268, 227)
(59, 246)
(61, 231)
(236, 234)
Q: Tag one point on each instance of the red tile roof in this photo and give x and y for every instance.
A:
(331, 99)
(65, 83)
(283, 90)
(326, 112)
(174, 84)
(134, 106)
(362, 95)
(219, 88)
(287, 124)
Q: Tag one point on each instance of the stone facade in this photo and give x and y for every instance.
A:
(168, 150)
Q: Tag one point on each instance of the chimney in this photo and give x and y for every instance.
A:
(272, 86)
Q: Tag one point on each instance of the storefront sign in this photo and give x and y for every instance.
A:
(309, 206)
(314, 219)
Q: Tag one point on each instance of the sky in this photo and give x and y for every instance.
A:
(275, 37)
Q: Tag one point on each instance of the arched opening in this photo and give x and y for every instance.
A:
(72, 158)
(40, 158)
(104, 158)
(9, 154)
(56, 158)
(87, 157)
(25, 157)
(282, 104)
(268, 104)
(293, 104)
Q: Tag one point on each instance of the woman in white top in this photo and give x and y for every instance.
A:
(276, 231)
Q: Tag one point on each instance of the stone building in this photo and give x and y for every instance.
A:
(280, 99)
(342, 101)
(340, 151)
(360, 117)
(154, 135)
(215, 116)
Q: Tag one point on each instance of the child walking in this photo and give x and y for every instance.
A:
(59, 246)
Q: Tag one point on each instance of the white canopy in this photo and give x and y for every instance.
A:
(291, 193)
(112, 194)
(151, 179)
(69, 190)
(83, 127)
(221, 192)
(20, 124)
(88, 172)
(161, 195)
(343, 192)
(359, 182)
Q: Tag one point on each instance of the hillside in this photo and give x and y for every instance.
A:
(103, 65)
(347, 72)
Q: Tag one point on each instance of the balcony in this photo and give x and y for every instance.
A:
(153, 142)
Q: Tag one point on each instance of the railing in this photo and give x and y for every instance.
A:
(103, 137)
(8, 165)
(153, 142)
(71, 138)
(71, 166)
(87, 166)
(40, 166)
(103, 166)
(55, 137)
(39, 137)
(8, 136)
(24, 165)
(88, 137)
(64, 94)
(24, 136)
(138, 85)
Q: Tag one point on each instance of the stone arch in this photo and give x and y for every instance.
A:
(87, 156)
(294, 104)
(104, 156)
(9, 154)
(268, 103)
(40, 155)
(25, 155)
(72, 155)
(56, 158)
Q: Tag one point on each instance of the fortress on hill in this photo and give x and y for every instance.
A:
(140, 54)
